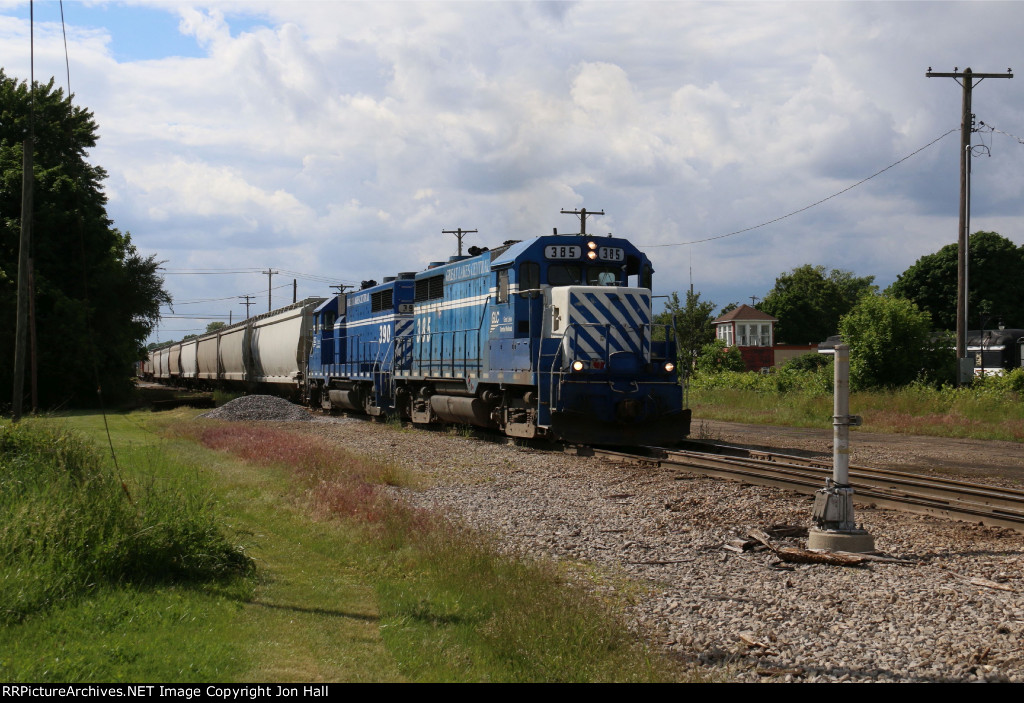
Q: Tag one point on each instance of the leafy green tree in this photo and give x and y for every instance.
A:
(715, 357)
(808, 302)
(995, 283)
(96, 297)
(692, 324)
(214, 326)
(890, 341)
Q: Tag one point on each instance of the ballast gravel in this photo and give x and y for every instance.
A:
(655, 537)
(260, 407)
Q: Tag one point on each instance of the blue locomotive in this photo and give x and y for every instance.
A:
(551, 337)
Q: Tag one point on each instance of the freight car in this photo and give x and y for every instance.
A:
(551, 337)
(996, 351)
(267, 353)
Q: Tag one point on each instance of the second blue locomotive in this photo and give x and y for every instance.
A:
(551, 337)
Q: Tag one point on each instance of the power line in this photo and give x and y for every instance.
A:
(319, 278)
(214, 300)
(206, 272)
(990, 128)
(807, 207)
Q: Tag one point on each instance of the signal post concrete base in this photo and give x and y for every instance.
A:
(857, 541)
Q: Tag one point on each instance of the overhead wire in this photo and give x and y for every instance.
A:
(807, 207)
(67, 63)
(229, 297)
(993, 129)
(81, 243)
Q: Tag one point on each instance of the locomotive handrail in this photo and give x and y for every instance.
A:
(432, 342)
(552, 395)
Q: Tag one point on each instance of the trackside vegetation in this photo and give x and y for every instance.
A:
(800, 395)
(69, 526)
(349, 584)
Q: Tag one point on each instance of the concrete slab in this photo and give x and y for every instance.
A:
(857, 541)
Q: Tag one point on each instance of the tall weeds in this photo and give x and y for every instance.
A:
(990, 408)
(68, 525)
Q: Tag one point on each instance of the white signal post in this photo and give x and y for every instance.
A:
(835, 528)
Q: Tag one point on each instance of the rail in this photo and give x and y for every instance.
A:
(991, 505)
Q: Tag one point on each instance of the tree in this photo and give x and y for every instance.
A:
(808, 303)
(995, 283)
(214, 326)
(96, 297)
(716, 357)
(890, 341)
(692, 325)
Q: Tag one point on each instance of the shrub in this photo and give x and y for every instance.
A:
(811, 361)
(69, 525)
(716, 357)
(889, 340)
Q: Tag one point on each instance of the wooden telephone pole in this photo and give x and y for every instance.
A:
(583, 213)
(460, 233)
(968, 79)
(21, 326)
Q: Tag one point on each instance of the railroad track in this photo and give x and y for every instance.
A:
(958, 500)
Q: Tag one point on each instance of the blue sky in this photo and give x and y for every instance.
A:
(336, 140)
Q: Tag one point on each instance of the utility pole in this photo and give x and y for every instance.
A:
(21, 328)
(247, 303)
(270, 277)
(583, 213)
(27, 185)
(460, 233)
(34, 374)
(295, 289)
(969, 80)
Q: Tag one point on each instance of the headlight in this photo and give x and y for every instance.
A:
(577, 365)
(669, 367)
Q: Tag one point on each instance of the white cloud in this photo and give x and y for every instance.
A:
(361, 130)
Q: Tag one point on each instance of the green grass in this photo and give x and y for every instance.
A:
(453, 611)
(989, 410)
(350, 585)
(99, 570)
(451, 608)
(69, 524)
(164, 633)
(224, 397)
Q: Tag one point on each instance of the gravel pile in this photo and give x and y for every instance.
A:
(260, 407)
(657, 539)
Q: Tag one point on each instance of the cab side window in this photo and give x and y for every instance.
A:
(529, 279)
(503, 286)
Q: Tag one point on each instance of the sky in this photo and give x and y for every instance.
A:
(334, 141)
